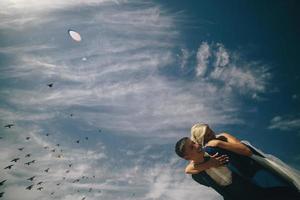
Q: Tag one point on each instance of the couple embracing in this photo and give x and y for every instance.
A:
(235, 169)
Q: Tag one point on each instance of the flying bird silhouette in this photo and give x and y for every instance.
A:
(27, 138)
(57, 145)
(31, 178)
(29, 187)
(47, 170)
(40, 188)
(77, 141)
(76, 180)
(21, 149)
(83, 198)
(53, 150)
(2, 182)
(39, 183)
(27, 155)
(28, 163)
(52, 193)
(1, 194)
(8, 167)
(70, 165)
(47, 134)
(50, 84)
(9, 125)
(15, 160)
(67, 171)
(46, 147)
(86, 138)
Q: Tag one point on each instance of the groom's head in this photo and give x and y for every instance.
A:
(187, 149)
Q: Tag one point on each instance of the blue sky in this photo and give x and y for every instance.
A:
(143, 74)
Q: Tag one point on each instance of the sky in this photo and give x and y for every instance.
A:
(142, 75)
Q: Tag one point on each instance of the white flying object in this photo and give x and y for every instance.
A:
(74, 35)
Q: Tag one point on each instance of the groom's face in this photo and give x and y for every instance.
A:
(192, 150)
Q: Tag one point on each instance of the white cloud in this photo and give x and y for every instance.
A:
(285, 123)
(222, 56)
(231, 72)
(203, 55)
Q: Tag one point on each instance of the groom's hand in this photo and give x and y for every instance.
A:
(217, 161)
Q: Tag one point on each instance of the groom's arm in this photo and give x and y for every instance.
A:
(214, 161)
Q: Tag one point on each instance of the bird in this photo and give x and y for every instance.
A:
(46, 147)
(27, 155)
(57, 145)
(83, 198)
(47, 134)
(77, 141)
(50, 84)
(28, 163)
(40, 188)
(70, 165)
(71, 115)
(9, 125)
(67, 171)
(21, 149)
(86, 138)
(64, 178)
(58, 184)
(27, 138)
(99, 130)
(33, 161)
(53, 150)
(1, 194)
(76, 180)
(8, 167)
(47, 170)
(31, 178)
(52, 193)
(2, 182)
(1, 138)
(59, 156)
(39, 183)
(29, 187)
(15, 160)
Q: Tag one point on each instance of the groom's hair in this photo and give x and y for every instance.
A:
(179, 147)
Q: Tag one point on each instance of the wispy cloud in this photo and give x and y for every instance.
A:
(203, 55)
(230, 71)
(285, 123)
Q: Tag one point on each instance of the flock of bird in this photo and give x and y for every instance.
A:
(34, 180)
